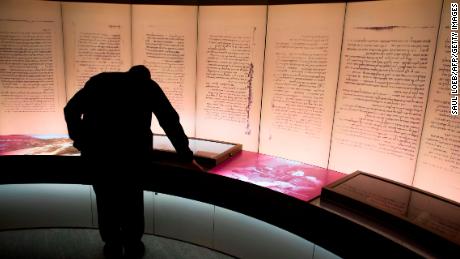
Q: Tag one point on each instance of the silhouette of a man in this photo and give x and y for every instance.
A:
(109, 122)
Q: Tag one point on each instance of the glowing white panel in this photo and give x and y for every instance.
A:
(32, 90)
(97, 38)
(183, 219)
(300, 80)
(321, 253)
(164, 40)
(231, 42)
(385, 71)
(45, 205)
(438, 164)
(246, 237)
(148, 212)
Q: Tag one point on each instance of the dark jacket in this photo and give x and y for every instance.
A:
(111, 116)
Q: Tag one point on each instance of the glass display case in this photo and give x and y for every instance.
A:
(406, 209)
(207, 152)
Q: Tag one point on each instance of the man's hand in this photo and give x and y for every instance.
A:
(195, 166)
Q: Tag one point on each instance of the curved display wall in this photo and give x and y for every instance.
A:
(345, 86)
(69, 205)
(333, 87)
(297, 210)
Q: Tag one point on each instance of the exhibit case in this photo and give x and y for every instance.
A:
(396, 210)
(208, 153)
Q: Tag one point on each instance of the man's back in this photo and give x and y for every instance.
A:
(119, 113)
(112, 114)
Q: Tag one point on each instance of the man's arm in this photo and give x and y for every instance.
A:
(169, 121)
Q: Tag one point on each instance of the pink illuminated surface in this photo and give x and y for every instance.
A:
(37, 145)
(292, 178)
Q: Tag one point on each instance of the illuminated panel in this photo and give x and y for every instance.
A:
(164, 40)
(300, 80)
(97, 38)
(32, 89)
(231, 42)
(385, 72)
(438, 164)
(292, 178)
(37, 145)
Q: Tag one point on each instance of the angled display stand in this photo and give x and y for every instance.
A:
(208, 153)
(417, 219)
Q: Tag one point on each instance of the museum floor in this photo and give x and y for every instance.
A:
(86, 243)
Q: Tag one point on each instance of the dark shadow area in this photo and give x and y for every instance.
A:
(86, 244)
(336, 233)
(109, 121)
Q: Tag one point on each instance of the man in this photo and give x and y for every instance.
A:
(109, 121)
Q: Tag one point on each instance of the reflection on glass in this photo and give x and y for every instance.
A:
(427, 211)
(200, 147)
(388, 197)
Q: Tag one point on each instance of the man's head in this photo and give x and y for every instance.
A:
(140, 72)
